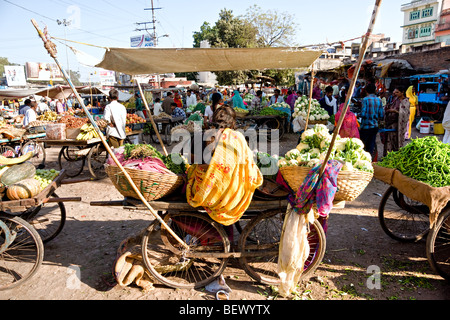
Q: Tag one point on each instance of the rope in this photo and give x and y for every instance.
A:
(86, 44)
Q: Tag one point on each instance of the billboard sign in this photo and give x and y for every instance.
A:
(107, 78)
(144, 40)
(15, 76)
(43, 71)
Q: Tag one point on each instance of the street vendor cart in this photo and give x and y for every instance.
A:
(263, 124)
(25, 226)
(411, 210)
(165, 126)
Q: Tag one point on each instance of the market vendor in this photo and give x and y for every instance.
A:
(30, 114)
(177, 111)
(276, 98)
(328, 102)
(224, 187)
(116, 115)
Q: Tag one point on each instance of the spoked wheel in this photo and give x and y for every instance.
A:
(438, 245)
(177, 267)
(38, 150)
(48, 219)
(259, 246)
(96, 160)
(401, 218)
(71, 159)
(21, 251)
(269, 125)
(8, 152)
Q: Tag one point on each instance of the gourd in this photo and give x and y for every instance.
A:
(18, 172)
(10, 161)
(24, 189)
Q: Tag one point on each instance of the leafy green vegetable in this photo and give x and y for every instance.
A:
(423, 159)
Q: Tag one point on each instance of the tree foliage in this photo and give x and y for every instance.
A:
(255, 29)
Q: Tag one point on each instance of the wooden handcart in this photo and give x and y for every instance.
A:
(12, 148)
(211, 245)
(165, 126)
(263, 124)
(74, 154)
(411, 210)
(25, 226)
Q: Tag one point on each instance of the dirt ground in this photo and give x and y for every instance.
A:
(88, 244)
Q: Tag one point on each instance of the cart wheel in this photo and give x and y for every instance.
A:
(401, 218)
(21, 251)
(269, 125)
(176, 267)
(438, 245)
(39, 153)
(48, 219)
(168, 135)
(8, 152)
(69, 160)
(96, 160)
(259, 246)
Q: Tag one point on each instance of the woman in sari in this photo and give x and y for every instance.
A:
(178, 101)
(224, 187)
(396, 117)
(349, 127)
(237, 101)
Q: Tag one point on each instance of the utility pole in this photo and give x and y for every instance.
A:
(66, 23)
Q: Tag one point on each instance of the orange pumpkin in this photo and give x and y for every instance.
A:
(24, 189)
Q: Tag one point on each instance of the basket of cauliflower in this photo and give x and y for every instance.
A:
(355, 174)
(317, 114)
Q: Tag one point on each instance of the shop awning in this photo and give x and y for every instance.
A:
(134, 61)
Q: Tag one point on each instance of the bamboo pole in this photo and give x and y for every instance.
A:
(51, 48)
(362, 53)
(155, 127)
(313, 73)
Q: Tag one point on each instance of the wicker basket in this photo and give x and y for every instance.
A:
(152, 185)
(350, 183)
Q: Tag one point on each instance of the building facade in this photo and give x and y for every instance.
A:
(443, 25)
(420, 20)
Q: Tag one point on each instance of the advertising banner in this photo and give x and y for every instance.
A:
(15, 76)
(39, 71)
(141, 41)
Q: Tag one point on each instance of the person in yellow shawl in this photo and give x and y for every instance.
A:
(225, 187)
(413, 103)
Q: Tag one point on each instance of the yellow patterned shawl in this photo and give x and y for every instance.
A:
(225, 188)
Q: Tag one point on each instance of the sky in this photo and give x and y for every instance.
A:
(111, 23)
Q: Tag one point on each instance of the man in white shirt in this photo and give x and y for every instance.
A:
(116, 114)
(42, 107)
(191, 98)
(276, 98)
(30, 114)
(157, 108)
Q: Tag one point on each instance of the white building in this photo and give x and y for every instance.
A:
(420, 19)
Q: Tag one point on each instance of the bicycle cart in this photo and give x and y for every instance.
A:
(411, 210)
(25, 226)
(75, 154)
(12, 148)
(211, 244)
(165, 126)
(263, 124)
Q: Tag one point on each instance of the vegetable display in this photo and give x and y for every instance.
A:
(45, 176)
(316, 112)
(240, 110)
(423, 159)
(87, 132)
(314, 145)
(272, 112)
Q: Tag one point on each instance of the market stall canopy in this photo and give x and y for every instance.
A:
(56, 92)
(10, 94)
(134, 61)
(123, 96)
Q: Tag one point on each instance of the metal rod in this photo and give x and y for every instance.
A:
(51, 48)
(362, 53)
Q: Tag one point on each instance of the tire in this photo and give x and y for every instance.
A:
(20, 259)
(402, 218)
(259, 248)
(69, 162)
(438, 245)
(48, 219)
(96, 160)
(38, 149)
(176, 267)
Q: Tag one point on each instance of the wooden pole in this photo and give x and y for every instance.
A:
(51, 48)
(362, 53)
(155, 127)
(310, 96)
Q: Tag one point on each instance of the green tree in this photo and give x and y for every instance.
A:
(5, 62)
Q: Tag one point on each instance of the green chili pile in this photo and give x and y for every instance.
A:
(423, 159)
